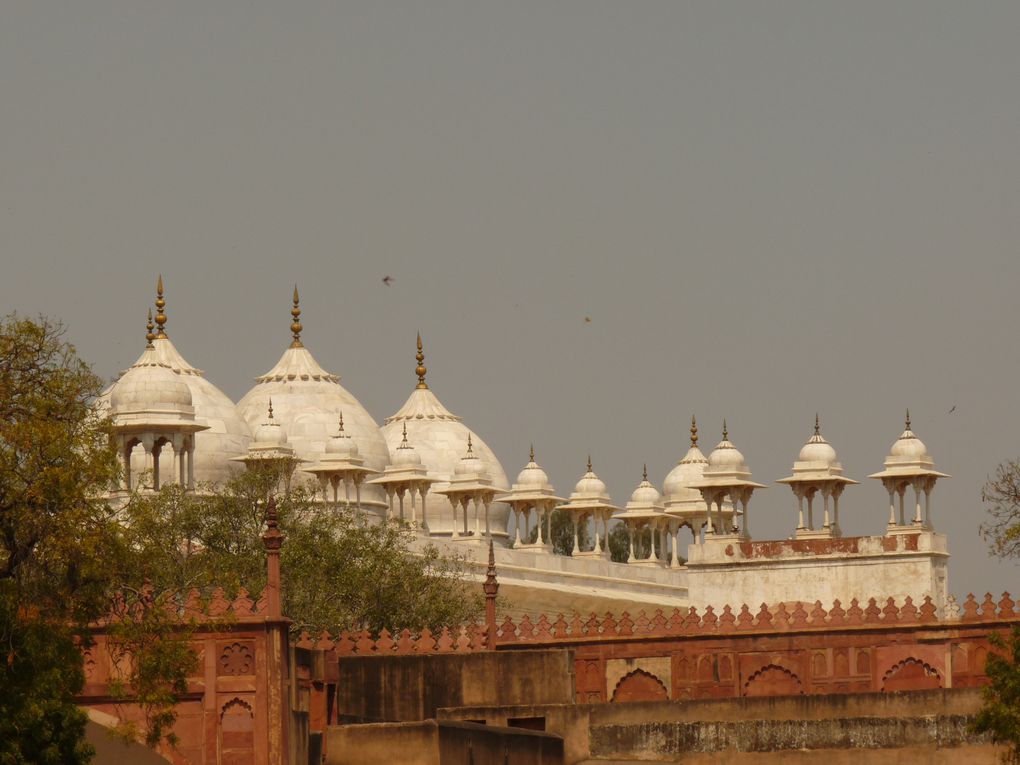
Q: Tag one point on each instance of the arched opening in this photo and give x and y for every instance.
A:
(911, 675)
(773, 680)
(236, 739)
(640, 686)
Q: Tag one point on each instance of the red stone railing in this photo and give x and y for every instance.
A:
(193, 605)
(781, 618)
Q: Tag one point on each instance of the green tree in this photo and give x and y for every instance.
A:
(339, 571)
(1000, 713)
(62, 552)
(619, 543)
(1001, 495)
(561, 529)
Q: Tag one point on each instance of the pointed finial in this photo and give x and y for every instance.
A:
(725, 432)
(908, 419)
(818, 428)
(470, 452)
(490, 587)
(589, 463)
(531, 455)
(160, 305)
(644, 472)
(149, 326)
(420, 370)
(295, 325)
(272, 520)
(694, 432)
(342, 423)
(403, 443)
(270, 409)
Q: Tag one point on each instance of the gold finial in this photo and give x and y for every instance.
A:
(908, 419)
(295, 325)
(270, 409)
(420, 370)
(342, 423)
(532, 453)
(403, 443)
(149, 326)
(644, 472)
(694, 432)
(818, 429)
(470, 452)
(725, 433)
(160, 305)
(589, 463)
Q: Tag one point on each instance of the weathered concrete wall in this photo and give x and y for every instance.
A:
(897, 728)
(440, 743)
(819, 569)
(410, 688)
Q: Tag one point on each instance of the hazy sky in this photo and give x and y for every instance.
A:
(767, 210)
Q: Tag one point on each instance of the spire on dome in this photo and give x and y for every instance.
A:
(295, 325)
(532, 454)
(818, 429)
(725, 433)
(589, 463)
(160, 305)
(694, 432)
(149, 326)
(341, 424)
(270, 409)
(420, 370)
(644, 472)
(470, 450)
(403, 443)
(907, 423)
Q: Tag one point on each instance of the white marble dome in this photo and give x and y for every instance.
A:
(726, 457)
(341, 444)
(590, 484)
(645, 493)
(308, 401)
(532, 476)
(818, 450)
(440, 439)
(149, 386)
(270, 432)
(909, 447)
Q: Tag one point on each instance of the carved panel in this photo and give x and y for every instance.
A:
(236, 658)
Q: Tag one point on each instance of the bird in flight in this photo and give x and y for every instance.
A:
(952, 410)
(587, 319)
(386, 280)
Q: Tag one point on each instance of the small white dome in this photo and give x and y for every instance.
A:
(910, 447)
(645, 494)
(405, 456)
(270, 432)
(341, 444)
(590, 484)
(532, 477)
(726, 457)
(149, 386)
(469, 463)
(817, 449)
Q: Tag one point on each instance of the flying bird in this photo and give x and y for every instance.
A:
(587, 319)
(386, 280)
(952, 410)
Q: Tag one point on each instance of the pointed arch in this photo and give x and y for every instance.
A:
(911, 675)
(773, 680)
(639, 686)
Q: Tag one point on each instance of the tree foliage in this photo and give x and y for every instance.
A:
(1001, 495)
(62, 551)
(340, 571)
(1000, 714)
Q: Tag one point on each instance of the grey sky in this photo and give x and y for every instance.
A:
(766, 209)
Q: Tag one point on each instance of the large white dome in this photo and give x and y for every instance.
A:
(440, 438)
(308, 401)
